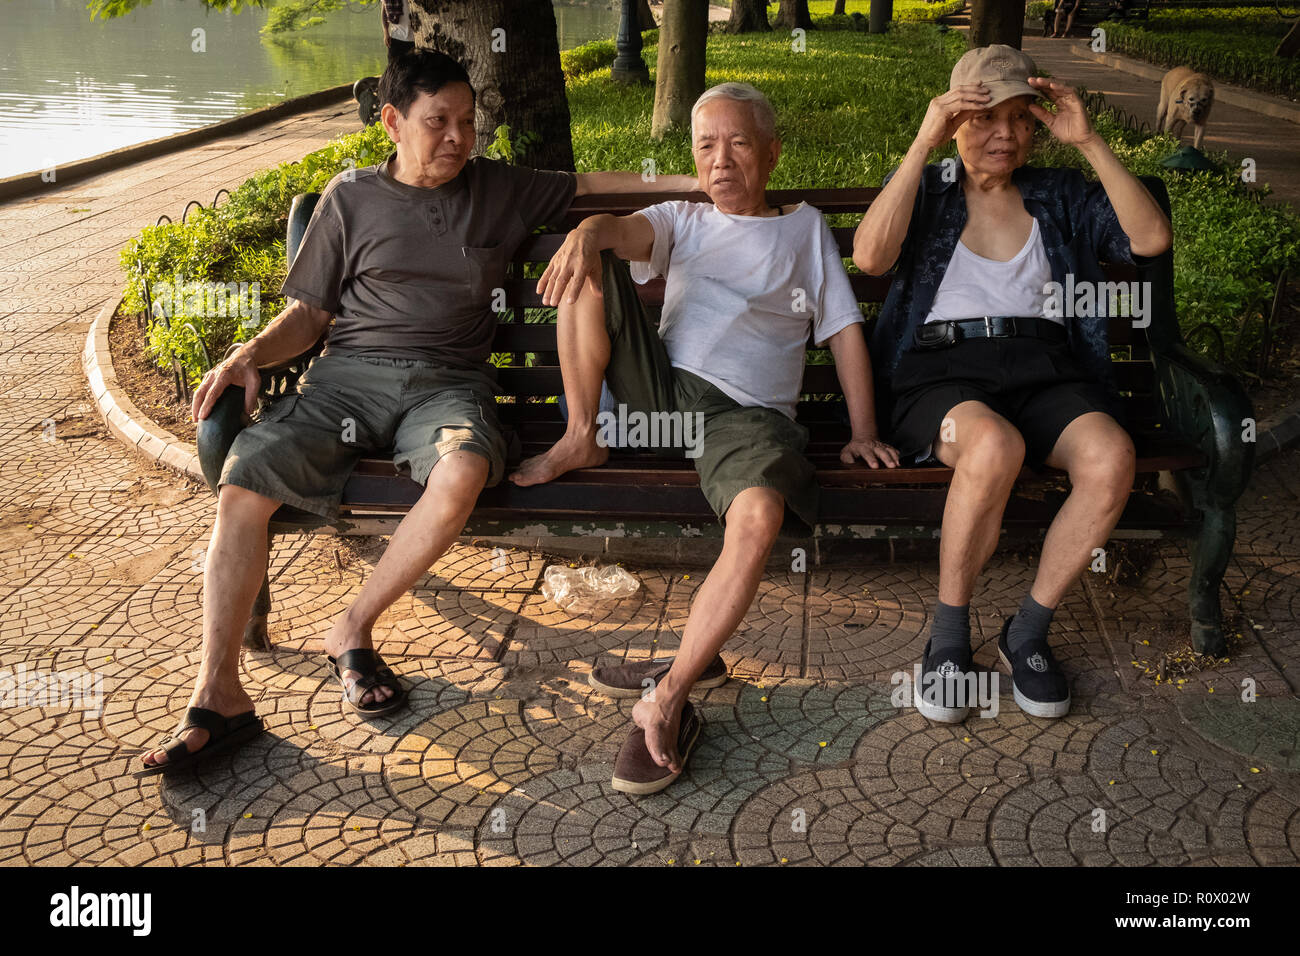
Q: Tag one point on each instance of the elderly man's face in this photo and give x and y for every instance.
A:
(437, 133)
(997, 140)
(733, 159)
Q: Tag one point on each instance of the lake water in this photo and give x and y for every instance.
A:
(71, 87)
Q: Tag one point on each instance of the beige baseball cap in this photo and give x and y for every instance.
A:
(1001, 68)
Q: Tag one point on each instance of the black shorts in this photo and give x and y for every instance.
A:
(1035, 384)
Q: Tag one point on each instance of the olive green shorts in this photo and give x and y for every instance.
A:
(742, 446)
(302, 448)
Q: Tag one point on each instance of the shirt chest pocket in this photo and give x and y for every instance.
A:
(484, 269)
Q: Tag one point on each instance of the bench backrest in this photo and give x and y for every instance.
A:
(525, 348)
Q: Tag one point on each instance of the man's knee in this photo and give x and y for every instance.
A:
(755, 517)
(457, 478)
(989, 449)
(242, 504)
(1105, 466)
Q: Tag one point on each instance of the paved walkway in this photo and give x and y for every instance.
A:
(504, 754)
(1273, 143)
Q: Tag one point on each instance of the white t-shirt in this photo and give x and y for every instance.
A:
(974, 287)
(742, 293)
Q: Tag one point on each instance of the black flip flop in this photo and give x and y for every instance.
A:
(223, 734)
(374, 673)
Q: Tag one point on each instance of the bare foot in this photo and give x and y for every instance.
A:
(660, 733)
(572, 451)
(226, 701)
(344, 637)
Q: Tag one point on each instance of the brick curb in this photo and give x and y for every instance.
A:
(1239, 96)
(127, 423)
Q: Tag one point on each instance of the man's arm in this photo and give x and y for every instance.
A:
(853, 367)
(578, 259)
(289, 334)
(615, 182)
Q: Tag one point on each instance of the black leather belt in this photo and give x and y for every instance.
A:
(942, 335)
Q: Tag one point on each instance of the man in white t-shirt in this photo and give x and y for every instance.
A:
(746, 283)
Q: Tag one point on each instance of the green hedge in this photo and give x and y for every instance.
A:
(1233, 44)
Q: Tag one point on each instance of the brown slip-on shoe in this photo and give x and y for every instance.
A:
(625, 680)
(635, 772)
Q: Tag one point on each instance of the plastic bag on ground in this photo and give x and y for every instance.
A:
(586, 589)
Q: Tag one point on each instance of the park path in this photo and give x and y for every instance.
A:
(1272, 142)
(99, 559)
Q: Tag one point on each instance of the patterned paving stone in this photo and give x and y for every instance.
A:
(565, 818)
(770, 639)
(152, 701)
(1267, 731)
(938, 778)
(868, 625)
(548, 634)
(314, 589)
(1149, 621)
(815, 819)
(78, 589)
(453, 767)
(1269, 598)
(1273, 828)
(433, 687)
(100, 815)
(486, 569)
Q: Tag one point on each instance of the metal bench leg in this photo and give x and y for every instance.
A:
(255, 636)
(1211, 549)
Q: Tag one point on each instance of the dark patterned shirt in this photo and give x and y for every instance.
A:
(1079, 229)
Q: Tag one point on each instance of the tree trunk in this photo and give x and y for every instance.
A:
(680, 73)
(645, 15)
(996, 21)
(839, 8)
(792, 14)
(1290, 44)
(748, 16)
(516, 72)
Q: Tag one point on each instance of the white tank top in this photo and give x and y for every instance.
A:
(974, 287)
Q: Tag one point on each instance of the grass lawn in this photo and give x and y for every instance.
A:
(847, 108)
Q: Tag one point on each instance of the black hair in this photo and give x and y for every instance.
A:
(416, 72)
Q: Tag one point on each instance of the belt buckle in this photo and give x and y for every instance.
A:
(1006, 324)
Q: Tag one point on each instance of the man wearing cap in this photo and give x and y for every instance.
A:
(980, 371)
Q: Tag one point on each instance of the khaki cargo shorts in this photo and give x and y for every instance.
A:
(742, 446)
(302, 448)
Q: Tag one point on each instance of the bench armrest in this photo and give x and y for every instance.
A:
(1205, 405)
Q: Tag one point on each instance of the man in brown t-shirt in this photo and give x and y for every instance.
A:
(404, 258)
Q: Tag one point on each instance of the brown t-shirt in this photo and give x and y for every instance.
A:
(409, 272)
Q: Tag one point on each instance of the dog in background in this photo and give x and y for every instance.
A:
(1185, 97)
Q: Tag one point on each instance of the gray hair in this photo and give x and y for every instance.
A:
(764, 115)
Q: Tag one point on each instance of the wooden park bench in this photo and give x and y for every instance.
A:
(1186, 414)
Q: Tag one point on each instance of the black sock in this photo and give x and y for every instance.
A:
(951, 627)
(1031, 622)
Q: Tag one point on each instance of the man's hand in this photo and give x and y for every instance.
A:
(948, 111)
(237, 370)
(577, 261)
(1069, 123)
(873, 451)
